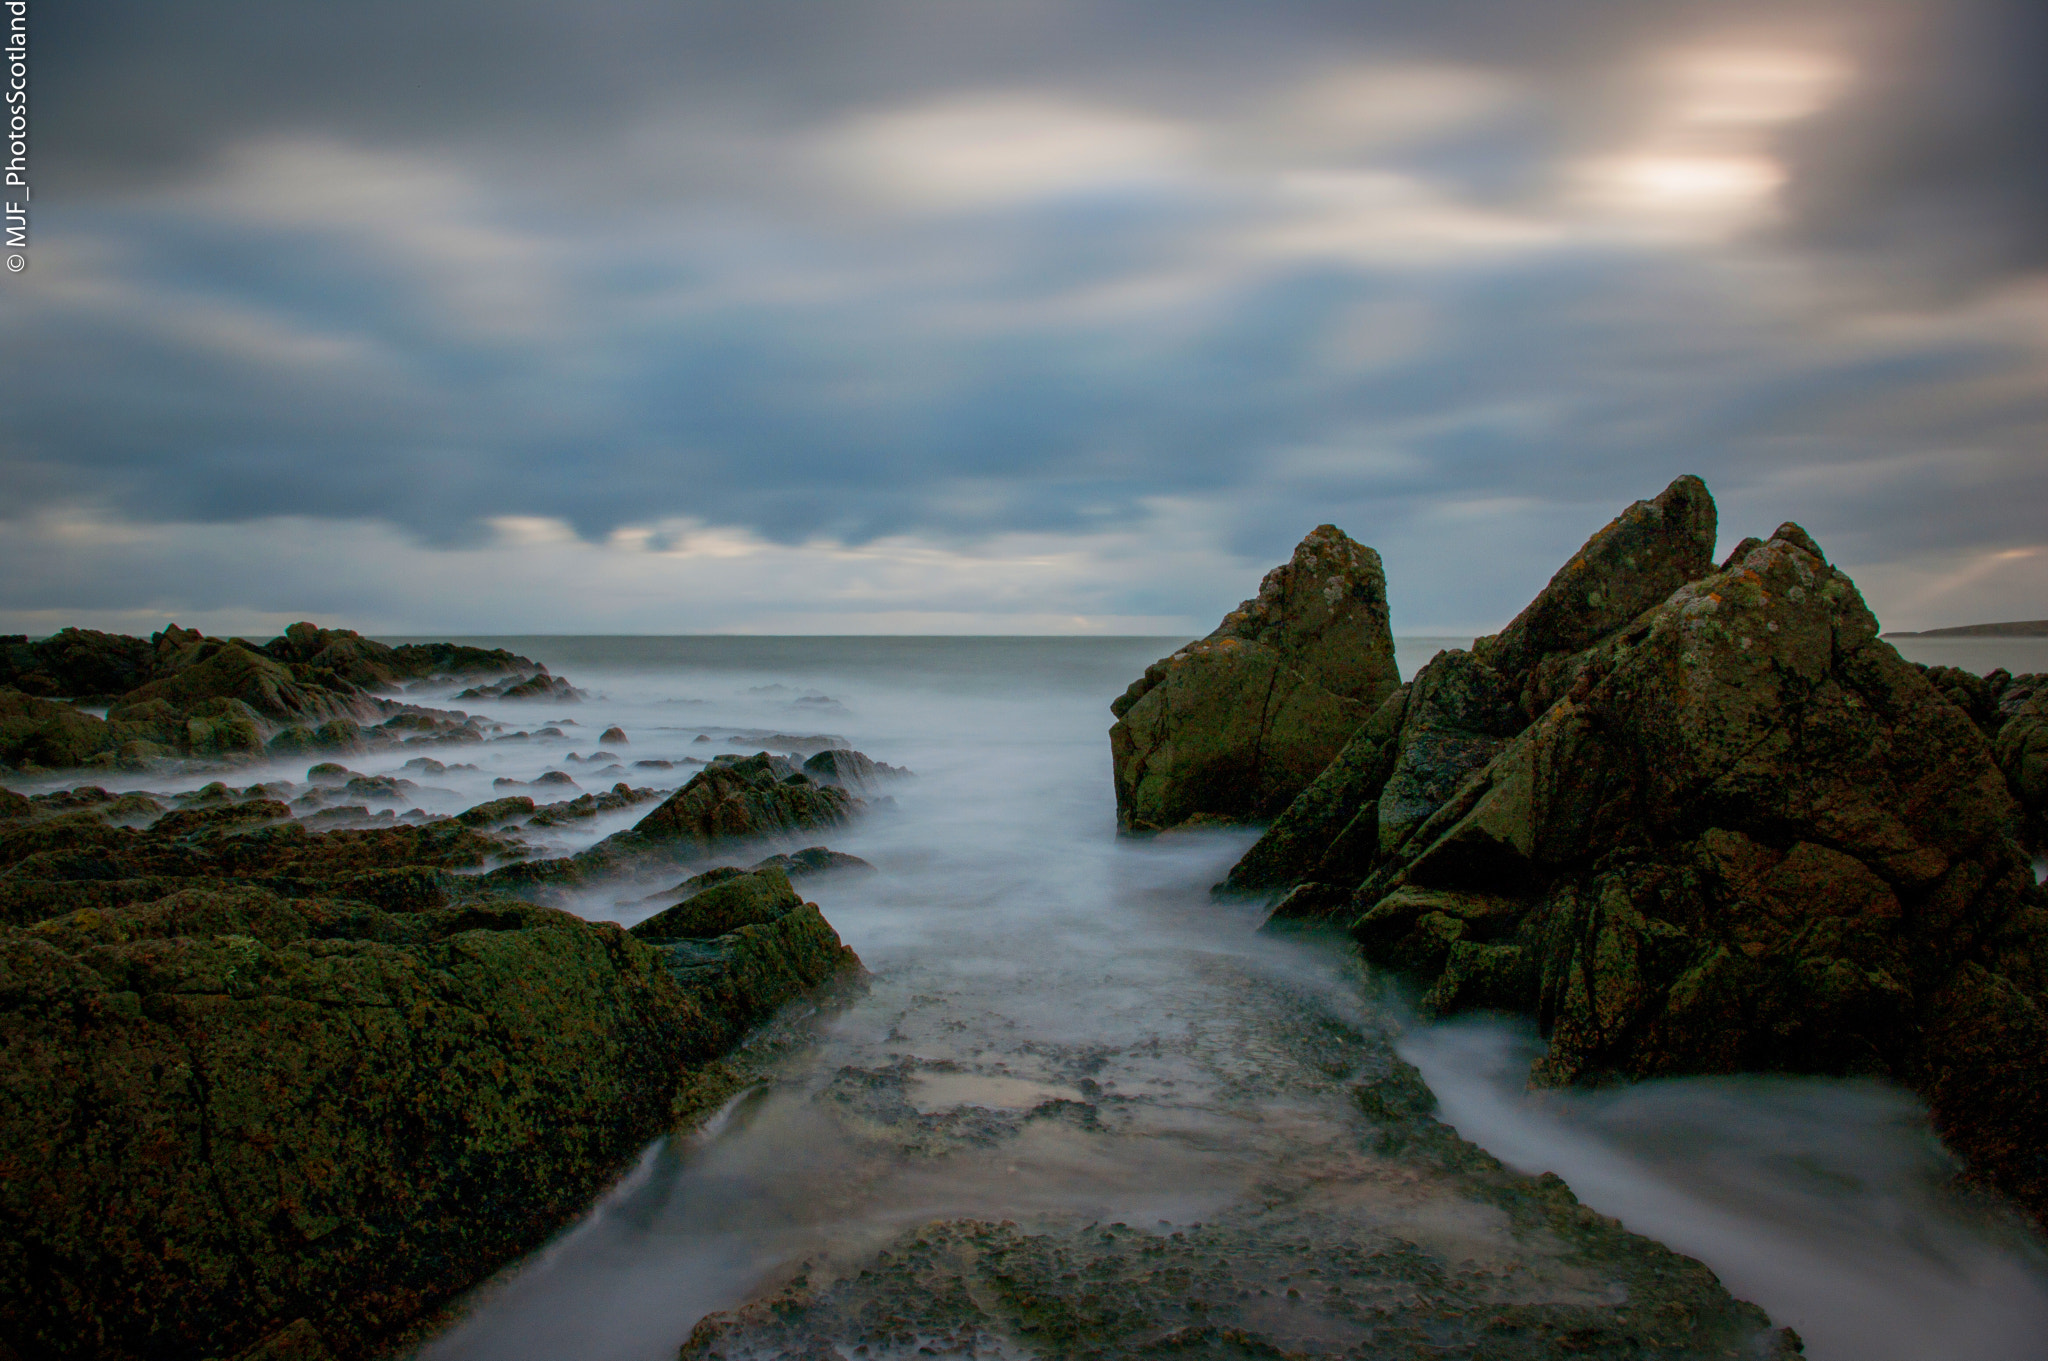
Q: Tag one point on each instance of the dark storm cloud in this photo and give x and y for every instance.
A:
(434, 264)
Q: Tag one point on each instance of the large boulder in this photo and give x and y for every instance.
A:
(1234, 726)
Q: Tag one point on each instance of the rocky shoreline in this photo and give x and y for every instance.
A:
(280, 1074)
(1691, 818)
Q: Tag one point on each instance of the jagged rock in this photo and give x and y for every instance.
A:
(1234, 726)
(1632, 564)
(1459, 713)
(1750, 837)
(1349, 818)
(741, 798)
(1727, 831)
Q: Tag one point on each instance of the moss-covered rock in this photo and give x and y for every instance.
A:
(736, 901)
(262, 1088)
(43, 733)
(233, 671)
(732, 800)
(1235, 726)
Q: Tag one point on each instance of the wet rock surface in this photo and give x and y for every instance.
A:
(1730, 832)
(1363, 1227)
(1232, 727)
(267, 1086)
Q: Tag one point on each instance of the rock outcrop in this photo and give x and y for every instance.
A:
(227, 700)
(743, 798)
(1232, 727)
(1733, 831)
(261, 1083)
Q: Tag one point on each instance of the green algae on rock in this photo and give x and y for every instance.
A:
(272, 1088)
(1234, 726)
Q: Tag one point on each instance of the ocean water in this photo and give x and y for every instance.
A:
(1021, 952)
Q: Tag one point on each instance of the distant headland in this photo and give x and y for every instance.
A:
(2024, 628)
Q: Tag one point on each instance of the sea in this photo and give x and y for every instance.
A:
(1006, 920)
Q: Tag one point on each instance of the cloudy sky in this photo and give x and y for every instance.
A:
(1019, 316)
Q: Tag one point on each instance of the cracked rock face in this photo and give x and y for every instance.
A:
(1231, 728)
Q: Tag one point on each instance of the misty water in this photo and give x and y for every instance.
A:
(1022, 953)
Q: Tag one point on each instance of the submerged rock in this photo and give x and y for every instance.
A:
(1234, 726)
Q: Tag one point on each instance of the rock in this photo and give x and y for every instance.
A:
(340, 734)
(1631, 565)
(613, 737)
(449, 660)
(847, 769)
(222, 727)
(496, 811)
(329, 773)
(232, 671)
(1470, 702)
(813, 860)
(1234, 726)
(309, 1088)
(293, 741)
(2021, 748)
(76, 663)
(732, 902)
(538, 686)
(14, 806)
(43, 733)
(1746, 836)
(741, 798)
(343, 654)
(1335, 819)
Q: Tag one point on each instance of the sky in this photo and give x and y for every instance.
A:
(928, 316)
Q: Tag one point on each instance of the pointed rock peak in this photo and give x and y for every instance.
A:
(1325, 612)
(1740, 551)
(1798, 538)
(1632, 564)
